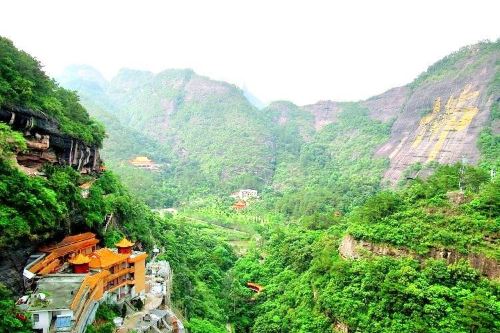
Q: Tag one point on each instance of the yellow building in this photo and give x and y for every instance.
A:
(143, 162)
(127, 270)
(93, 275)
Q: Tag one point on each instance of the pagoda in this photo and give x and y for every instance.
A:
(124, 246)
(80, 264)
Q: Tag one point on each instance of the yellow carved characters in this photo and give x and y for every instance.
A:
(457, 116)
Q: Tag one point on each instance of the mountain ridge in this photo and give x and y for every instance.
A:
(213, 125)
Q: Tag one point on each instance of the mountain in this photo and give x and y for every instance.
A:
(207, 130)
(439, 116)
(330, 246)
(340, 152)
(53, 185)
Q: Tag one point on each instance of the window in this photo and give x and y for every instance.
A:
(36, 317)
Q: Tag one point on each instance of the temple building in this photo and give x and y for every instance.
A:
(240, 205)
(143, 162)
(72, 277)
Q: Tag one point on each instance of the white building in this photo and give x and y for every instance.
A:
(245, 194)
(51, 305)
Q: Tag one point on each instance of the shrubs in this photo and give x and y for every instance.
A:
(12, 317)
(422, 216)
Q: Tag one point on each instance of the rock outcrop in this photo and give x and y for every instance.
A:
(324, 112)
(47, 144)
(440, 118)
(11, 267)
(351, 248)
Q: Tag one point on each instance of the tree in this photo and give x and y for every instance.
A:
(11, 315)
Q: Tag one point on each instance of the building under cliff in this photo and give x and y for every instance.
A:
(71, 278)
(143, 162)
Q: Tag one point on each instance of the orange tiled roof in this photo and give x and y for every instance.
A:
(137, 257)
(240, 204)
(86, 186)
(79, 259)
(93, 279)
(50, 267)
(57, 252)
(90, 282)
(69, 240)
(124, 243)
(104, 258)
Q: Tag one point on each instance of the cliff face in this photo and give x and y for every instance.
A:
(351, 248)
(12, 264)
(46, 143)
(211, 124)
(440, 115)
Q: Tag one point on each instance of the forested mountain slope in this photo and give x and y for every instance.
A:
(203, 122)
(334, 250)
(407, 267)
(49, 204)
(341, 152)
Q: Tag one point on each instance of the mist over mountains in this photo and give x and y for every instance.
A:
(376, 216)
(213, 132)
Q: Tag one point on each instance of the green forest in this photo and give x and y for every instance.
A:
(317, 188)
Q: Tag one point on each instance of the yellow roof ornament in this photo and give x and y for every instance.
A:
(124, 243)
(80, 259)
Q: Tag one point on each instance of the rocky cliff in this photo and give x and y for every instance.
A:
(47, 144)
(440, 115)
(211, 125)
(351, 248)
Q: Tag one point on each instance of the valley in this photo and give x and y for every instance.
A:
(380, 215)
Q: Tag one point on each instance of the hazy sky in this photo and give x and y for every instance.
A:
(302, 51)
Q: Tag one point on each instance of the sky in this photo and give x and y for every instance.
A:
(302, 51)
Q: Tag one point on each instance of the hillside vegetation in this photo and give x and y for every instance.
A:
(304, 159)
(212, 141)
(321, 174)
(35, 210)
(309, 287)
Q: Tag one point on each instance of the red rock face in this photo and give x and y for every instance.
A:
(438, 120)
(324, 112)
(351, 248)
(387, 106)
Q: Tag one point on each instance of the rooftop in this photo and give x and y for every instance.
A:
(124, 243)
(93, 279)
(79, 260)
(87, 185)
(141, 159)
(104, 258)
(68, 241)
(58, 289)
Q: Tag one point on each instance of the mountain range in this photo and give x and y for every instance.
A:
(214, 140)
